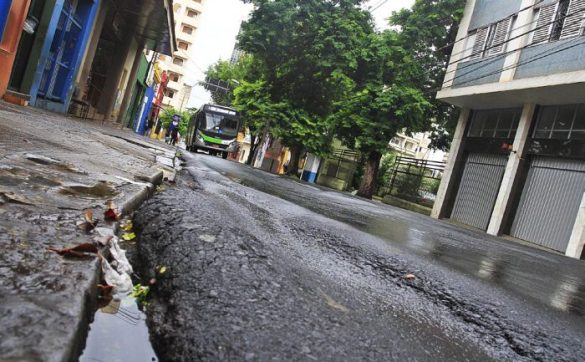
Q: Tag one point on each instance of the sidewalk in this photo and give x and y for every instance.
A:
(51, 169)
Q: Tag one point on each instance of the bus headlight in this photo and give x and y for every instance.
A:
(199, 139)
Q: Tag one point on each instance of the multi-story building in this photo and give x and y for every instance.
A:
(517, 163)
(187, 15)
(417, 145)
(85, 57)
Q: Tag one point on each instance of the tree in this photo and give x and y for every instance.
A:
(223, 77)
(166, 117)
(428, 31)
(254, 104)
(304, 48)
(384, 101)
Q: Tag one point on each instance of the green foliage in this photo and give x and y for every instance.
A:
(304, 49)
(166, 117)
(230, 74)
(140, 292)
(385, 172)
(406, 186)
(428, 31)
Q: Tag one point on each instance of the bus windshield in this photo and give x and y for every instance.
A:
(220, 124)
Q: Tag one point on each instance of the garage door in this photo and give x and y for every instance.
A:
(550, 202)
(478, 189)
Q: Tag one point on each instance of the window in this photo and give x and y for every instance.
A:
(498, 123)
(561, 20)
(491, 40)
(187, 29)
(561, 122)
(183, 45)
(174, 76)
(170, 93)
(220, 124)
(178, 61)
(192, 13)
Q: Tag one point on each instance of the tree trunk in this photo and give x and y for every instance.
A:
(293, 165)
(253, 147)
(370, 178)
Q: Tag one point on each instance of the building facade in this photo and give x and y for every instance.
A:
(187, 14)
(517, 162)
(12, 19)
(417, 145)
(87, 56)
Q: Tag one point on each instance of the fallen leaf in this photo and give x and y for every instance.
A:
(89, 223)
(128, 236)
(111, 215)
(78, 251)
(162, 270)
(110, 204)
(88, 215)
(87, 226)
(127, 226)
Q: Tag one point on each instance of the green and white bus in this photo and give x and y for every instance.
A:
(214, 129)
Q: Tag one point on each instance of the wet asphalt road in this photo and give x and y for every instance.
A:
(263, 267)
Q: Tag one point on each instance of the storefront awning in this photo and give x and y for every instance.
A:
(153, 23)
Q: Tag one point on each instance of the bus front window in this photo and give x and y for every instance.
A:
(219, 124)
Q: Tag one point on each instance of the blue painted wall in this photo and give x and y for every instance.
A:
(476, 72)
(141, 125)
(87, 12)
(4, 9)
(488, 11)
(551, 58)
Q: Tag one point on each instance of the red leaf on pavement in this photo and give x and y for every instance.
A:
(110, 215)
(78, 251)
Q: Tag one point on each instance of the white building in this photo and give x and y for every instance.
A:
(187, 16)
(416, 146)
(517, 161)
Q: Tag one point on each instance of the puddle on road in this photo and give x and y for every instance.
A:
(119, 333)
(541, 276)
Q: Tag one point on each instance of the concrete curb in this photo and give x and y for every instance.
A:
(75, 347)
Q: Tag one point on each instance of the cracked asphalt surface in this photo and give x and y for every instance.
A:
(262, 267)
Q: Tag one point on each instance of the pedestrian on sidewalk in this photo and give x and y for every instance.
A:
(173, 131)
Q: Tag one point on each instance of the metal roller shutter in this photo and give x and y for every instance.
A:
(549, 202)
(478, 189)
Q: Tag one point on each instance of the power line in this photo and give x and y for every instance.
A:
(379, 5)
(534, 58)
(375, 5)
(539, 56)
(511, 39)
(499, 56)
(492, 23)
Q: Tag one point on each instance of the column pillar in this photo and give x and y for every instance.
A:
(577, 241)
(131, 84)
(502, 205)
(92, 48)
(110, 90)
(448, 181)
(459, 46)
(521, 25)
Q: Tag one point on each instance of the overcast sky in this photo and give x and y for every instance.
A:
(219, 26)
